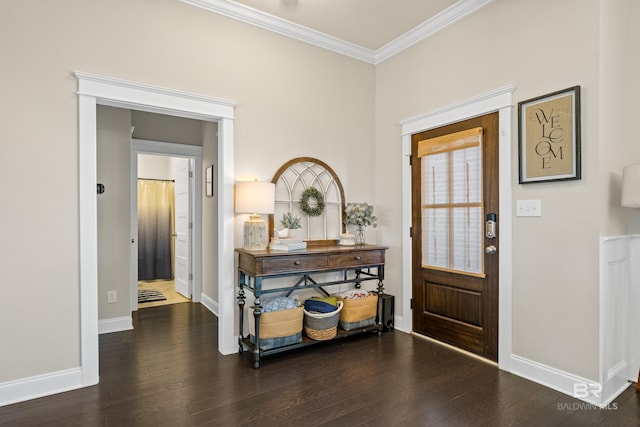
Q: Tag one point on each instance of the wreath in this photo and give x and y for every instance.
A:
(312, 193)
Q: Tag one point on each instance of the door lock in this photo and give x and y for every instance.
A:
(490, 250)
(490, 226)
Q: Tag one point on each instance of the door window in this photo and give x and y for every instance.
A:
(451, 202)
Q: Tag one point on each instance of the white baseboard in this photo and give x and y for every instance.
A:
(573, 385)
(116, 324)
(398, 323)
(209, 303)
(39, 386)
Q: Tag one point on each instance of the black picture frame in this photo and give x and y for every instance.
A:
(549, 137)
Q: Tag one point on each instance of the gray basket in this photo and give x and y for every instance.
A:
(322, 326)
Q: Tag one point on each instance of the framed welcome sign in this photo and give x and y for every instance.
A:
(549, 137)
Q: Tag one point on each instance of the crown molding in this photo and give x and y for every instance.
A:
(438, 22)
(249, 15)
(286, 28)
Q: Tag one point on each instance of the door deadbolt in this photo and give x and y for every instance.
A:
(490, 226)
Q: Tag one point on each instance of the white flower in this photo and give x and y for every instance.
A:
(360, 214)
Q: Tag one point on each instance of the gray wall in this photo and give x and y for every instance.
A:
(160, 127)
(210, 212)
(114, 210)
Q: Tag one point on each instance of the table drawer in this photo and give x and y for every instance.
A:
(356, 258)
(289, 263)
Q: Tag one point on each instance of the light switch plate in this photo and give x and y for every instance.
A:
(528, 208)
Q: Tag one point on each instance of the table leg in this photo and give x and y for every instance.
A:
(257, 312)
(380, 293)
(241, 302)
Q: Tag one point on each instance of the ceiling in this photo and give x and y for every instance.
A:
(369, 30)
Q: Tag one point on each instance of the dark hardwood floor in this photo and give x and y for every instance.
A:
(168, 372)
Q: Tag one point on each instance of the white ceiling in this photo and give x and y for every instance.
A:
(369, 30)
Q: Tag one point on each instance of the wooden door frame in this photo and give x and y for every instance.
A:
(500, 100)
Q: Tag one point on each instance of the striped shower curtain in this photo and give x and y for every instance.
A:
(156, 209)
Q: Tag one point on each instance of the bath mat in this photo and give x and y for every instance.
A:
(150, 295)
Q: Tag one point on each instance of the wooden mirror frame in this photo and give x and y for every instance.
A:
(327, 168)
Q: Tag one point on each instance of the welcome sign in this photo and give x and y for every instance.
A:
(549, 137)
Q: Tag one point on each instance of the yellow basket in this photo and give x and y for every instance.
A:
(356, 310)
(279, 323)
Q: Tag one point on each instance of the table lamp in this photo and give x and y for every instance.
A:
(255, 198)
(631, 186)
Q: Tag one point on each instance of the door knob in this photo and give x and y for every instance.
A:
(490, 250)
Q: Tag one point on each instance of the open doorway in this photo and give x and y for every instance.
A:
(96, 90)
(166, 223)
(164, 197)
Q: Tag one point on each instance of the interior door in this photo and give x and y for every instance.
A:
(454, 173)
(182, 226)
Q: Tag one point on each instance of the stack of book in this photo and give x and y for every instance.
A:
(287, 244)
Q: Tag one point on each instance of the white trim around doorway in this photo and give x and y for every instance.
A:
(96, 90)
(500, 100)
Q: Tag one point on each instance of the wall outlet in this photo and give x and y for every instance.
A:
(112, 296)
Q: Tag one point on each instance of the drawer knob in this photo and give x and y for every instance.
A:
(357, 258)
(297, 263)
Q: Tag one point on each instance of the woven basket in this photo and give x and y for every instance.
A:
(278, 328)
(359, 312)
(322, 326)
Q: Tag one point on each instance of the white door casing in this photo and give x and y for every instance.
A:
(96, 90)
(182, 238)
(500, 100)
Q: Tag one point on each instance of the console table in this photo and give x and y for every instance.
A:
(355, 263)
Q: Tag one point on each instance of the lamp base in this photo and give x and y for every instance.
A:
(255, 234)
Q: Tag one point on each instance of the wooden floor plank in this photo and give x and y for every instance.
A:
(168, 372)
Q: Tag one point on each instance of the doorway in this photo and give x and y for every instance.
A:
(163, 216)
(455, 201)
(501, 101)
(96, 90)
(180, 164)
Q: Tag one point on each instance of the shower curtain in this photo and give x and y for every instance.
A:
(156, 209)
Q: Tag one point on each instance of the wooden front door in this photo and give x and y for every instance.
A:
(454, 174)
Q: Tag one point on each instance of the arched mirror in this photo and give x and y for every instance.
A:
(316, 185)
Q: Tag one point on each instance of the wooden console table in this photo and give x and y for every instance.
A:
(356, 263)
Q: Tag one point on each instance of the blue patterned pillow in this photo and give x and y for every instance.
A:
(279, 303)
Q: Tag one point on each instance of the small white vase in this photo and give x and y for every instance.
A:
(347, 239)
(282, 234)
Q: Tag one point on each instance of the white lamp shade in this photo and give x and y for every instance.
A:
(255, 197)
(631, 186)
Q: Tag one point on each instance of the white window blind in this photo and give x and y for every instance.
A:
(452, 210)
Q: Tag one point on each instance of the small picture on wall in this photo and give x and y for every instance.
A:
(209, 181)
(549, 137)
